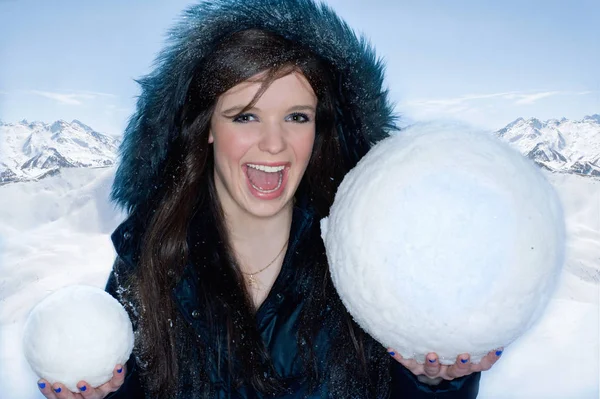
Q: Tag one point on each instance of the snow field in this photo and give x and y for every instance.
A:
(55, 232)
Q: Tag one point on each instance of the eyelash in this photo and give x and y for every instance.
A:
(242, 118)
(239, 118)
(304, 117)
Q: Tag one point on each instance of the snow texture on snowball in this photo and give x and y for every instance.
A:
(444, 239)
(77, 333)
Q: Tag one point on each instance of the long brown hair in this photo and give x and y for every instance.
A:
(188, 189)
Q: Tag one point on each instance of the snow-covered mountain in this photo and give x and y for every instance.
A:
(36, 150)
(558, 145)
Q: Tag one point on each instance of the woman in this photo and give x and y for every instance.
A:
(242, 134)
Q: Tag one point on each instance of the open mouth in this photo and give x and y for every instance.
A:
(265, 179)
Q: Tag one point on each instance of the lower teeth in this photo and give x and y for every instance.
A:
(269, 191)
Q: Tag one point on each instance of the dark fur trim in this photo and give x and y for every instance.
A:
(363, 110)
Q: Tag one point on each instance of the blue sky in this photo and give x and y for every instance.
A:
(486, 62)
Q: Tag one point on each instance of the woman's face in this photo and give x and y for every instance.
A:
(261, 155)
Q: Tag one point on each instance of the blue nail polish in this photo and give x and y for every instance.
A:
(42, 385)
(392, 353)
(57, 390)
(431, 360)
(83, 388)
(498, 353)
(463, 361)
(120, 370)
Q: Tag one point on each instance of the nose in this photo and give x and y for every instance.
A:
(272, 138)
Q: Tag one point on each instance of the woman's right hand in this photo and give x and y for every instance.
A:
(59, 391)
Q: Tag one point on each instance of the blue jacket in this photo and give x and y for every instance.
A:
(363, 116)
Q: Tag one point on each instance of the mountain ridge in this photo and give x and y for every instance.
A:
(33, 150)
(563, 146)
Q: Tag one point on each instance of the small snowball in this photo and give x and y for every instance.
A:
(77, 333)
(444, 239)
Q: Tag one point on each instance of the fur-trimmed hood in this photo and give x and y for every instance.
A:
(364, 114)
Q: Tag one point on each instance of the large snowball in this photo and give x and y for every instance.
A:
(446, 240)
(77, 333)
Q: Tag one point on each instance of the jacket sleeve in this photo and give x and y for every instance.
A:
(406, 385)
(131, 388)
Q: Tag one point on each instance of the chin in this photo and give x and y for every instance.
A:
(268, 208)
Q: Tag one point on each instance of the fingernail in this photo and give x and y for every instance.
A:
(431, 360)
(42, 385)
(120, 370)
(463, 361)
(57, 390)
(498, 353)
(83, 388)
(392, 353)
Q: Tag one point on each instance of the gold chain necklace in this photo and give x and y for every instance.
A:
(251, 280)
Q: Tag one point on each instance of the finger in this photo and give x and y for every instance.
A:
(115, 382)
(46, 389)
(410, 364)
(432, 365)
(62, 392)
(498, 353)
(87, 391)
(484, 365)
(461, 367)
(118, 377)
(490, 359)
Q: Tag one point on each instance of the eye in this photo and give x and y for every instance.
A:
(244, 118)
(298, 117)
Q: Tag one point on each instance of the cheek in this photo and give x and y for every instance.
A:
(305, 147)
(229, 148)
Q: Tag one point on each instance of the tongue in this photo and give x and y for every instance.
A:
(265, 181)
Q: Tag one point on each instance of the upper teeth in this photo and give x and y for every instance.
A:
(265, 168)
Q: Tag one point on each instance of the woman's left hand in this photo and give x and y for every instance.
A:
(435, 372)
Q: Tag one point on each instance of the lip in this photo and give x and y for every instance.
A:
(274, 194)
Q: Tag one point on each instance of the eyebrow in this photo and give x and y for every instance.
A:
(238, 108)
(303, 108)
